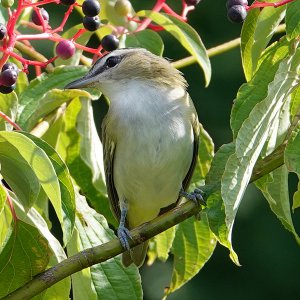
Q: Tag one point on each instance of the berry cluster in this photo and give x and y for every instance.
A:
(8, 78)
(237, 10)
(11, 36)
(91, 9)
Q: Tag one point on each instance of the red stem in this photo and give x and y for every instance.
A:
(63, 23)
(266, 4)
(157, 7)
(11, 206)
(171, 12)
(9, 120)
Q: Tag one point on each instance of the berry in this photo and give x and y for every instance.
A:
(67, 2)
(35, 18)
(231, 3)
(8, 77)
(123, 7)
(7, 3)
(91, 8)
(91, 23)
(10, 66)
(237, 13)
(3, 31)
(7, 89)
(192, 2)
(65, 49)
(110, 42)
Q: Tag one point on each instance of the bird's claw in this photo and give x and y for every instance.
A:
(124, 235)
(196, 196)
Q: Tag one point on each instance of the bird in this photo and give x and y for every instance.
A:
(150, 138)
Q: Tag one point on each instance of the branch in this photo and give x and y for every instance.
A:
(101, 253)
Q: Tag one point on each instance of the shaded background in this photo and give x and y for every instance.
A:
(269, 255)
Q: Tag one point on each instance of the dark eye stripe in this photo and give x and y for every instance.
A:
(102, 63)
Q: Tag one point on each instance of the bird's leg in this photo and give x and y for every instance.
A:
(123, 232)
(195, 196)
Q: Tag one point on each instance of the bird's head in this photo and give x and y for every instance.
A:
(126, 65)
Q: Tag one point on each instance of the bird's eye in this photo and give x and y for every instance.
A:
(112, 61)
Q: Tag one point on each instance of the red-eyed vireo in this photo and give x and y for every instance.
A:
(150, 137)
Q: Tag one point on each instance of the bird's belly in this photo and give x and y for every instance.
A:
(149, 167)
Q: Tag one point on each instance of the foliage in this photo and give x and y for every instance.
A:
(56, 159)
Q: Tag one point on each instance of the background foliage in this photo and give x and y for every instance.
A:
(267, 253)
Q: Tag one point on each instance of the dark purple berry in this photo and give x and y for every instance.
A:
(10, 66)
(67, 2)
(7, 89)
(231, 3)
(192, 2)
(8, 77)
(35, 18)
(91, 23)
(237, 13)
(110, 42)
(91, 8)
(65, 49)
(3, 31)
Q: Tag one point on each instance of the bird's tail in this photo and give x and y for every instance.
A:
(135, 255)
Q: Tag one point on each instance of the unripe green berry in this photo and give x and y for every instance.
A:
(123, 7)
(7, 3)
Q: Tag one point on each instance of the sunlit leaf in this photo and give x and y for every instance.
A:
(66, 186)
(252, 136)
(257, 89)
(258, 29)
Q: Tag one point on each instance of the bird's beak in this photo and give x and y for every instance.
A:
(83, 82)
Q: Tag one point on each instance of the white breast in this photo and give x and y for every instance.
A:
(154, 148)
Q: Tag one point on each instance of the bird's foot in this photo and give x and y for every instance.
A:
(124, 235)
(196, 196)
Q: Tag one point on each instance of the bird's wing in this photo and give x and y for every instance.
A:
(109, 148)
(196, 132)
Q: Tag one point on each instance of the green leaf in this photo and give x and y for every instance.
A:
(292, 20)
(18, 152)
(66, 186)
(205, 157)
(3, 16)
(2, 198)
(34, 97)
(257, 89)
(82, 40)
(215, 209)
(109, 279)
(292, 161)
(8, 106)
(163, 243)
(186, 35)
(295, 102)
(257, 31)
(253, 134)
(193, 245)
(25, 254)
(147, 39)
(275, 188)
(83, 155)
